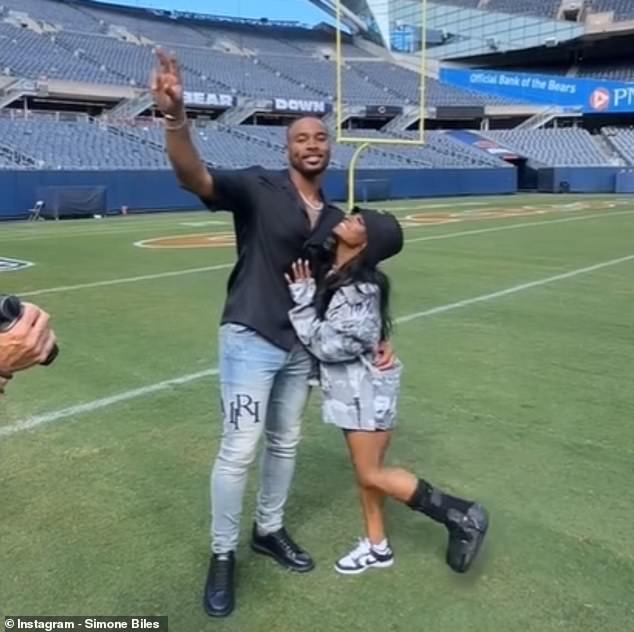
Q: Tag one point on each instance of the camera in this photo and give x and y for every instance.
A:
(11, 310)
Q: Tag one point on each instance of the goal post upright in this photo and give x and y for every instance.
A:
(362, 143)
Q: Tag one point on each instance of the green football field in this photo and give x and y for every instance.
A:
(515, 323)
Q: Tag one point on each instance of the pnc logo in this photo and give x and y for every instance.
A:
(600, 99)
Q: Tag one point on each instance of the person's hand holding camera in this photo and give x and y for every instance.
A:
(26, 342)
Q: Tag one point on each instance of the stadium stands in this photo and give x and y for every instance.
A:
(228, 147)
(467, 4)
(623, 140)
(623, 9)
(319, 76)
(554, 147)
(248, 60)
(240, 74)
(439, 151)
(615, 71)
(399, 80)
(541, 8)
(247, 145)
(218, 145)
(46, 140)
(276, 62)
(370, 82)
(25, 53)
(456, 154)
(129, 62)
(375, 158)
(406, 84)
(6, 162)
(56, 13)
(153, 28)
(254, 39)
(437, 93)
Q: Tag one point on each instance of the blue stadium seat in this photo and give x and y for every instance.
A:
(542, 8)
(623, 9)
(623, 140)
(56, 13)
(24, 53)
(45, 139)
(554, 147)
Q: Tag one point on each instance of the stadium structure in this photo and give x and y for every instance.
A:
(518, 95)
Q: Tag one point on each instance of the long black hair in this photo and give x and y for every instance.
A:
(353, 273)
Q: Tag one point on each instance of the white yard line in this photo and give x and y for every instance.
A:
(106, 232)
(46, 418)
(211, 222)
(427, 207)
(223, 266)
(71, 411)
(497, 229)
(136, 279)
(513, 290)
(96, 227)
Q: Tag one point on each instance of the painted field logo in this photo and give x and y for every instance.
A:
(13, 265)
(199, 240)
(600, 99)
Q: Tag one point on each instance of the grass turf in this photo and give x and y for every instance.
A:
(523, 401)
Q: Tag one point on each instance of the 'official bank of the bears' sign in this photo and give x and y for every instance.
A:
(13, 265)
(585, 95)
(303, 106)
(209, 99)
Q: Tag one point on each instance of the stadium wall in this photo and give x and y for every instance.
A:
(625, 181)
(141, 190)
(159, 190)
(578, 180)
(420, 183)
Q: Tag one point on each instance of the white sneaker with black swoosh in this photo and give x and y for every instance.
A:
(364, 557)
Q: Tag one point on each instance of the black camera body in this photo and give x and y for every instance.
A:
(11, 310)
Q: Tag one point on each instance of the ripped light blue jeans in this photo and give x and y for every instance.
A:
(264, 391)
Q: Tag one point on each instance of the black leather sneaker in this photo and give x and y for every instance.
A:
(220, 589)
(466, 533)
(280, 547)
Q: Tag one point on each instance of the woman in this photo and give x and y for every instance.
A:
(341, 320)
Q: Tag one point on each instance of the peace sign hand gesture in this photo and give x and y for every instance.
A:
(167, 85)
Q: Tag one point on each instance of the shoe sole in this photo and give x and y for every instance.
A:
(264, 551)
(218, 614)
(215, 614)
(363, 569)
(481, 533)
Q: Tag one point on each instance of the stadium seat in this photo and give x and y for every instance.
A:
(554, 147)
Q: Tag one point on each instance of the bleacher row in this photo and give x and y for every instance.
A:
(622, 9)
(82, 42)
(615, 70)
(244, 62)
(41, 141)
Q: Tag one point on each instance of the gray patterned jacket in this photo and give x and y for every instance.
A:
(357, 396)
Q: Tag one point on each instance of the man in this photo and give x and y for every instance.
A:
(28, 343)
(264, 370)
